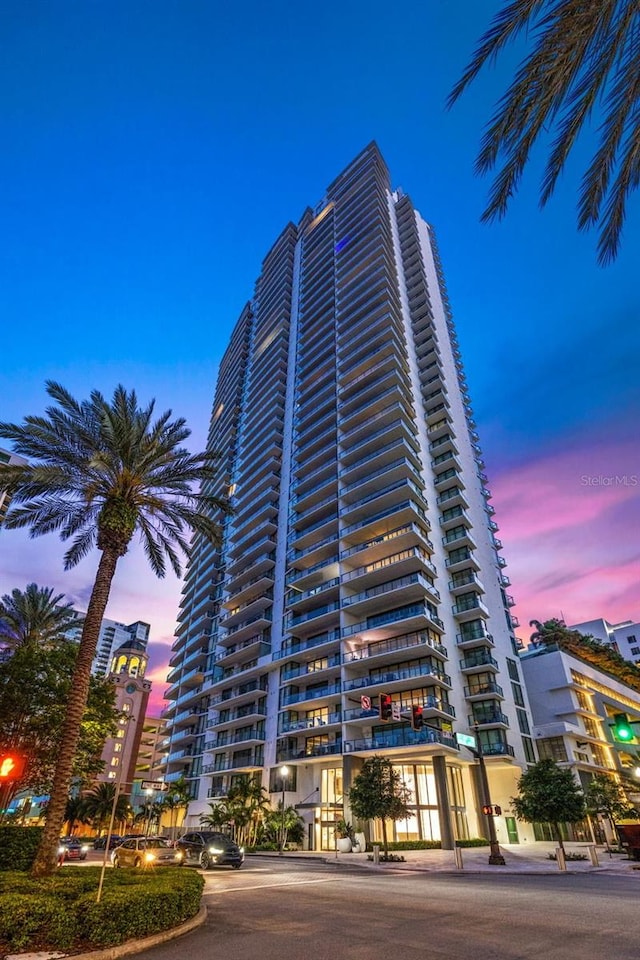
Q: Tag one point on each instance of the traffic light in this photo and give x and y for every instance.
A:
(622, 729)
(11, 767)
(386, 707)
(417, 720)
(487, 810)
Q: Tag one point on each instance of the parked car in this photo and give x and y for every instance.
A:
(100, 842)
(146, 852)
(71, 849)
(207, 848)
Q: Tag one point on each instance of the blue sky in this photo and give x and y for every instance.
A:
(152, 151)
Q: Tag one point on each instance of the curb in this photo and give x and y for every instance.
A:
(137, 946)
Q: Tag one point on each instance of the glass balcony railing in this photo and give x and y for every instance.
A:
(403, 737)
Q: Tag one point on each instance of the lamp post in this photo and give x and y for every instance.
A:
(284, 772)
(495, 857)
(149, 794)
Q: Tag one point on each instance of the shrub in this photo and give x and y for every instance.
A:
(568, 856)
(411, 845)
(473, 842)
(18, 847)
(388, 858)
(60, 912)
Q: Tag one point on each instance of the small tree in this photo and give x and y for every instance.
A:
(549, 794)
(378, 793)
(605, 796)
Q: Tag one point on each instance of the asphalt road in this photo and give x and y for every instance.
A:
(279, 910)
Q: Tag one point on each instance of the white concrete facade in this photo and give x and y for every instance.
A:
(361, 559)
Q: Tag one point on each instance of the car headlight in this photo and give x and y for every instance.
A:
(215, 850)
(241, 849)
(84, 849)
(178, 855)
(149, 857)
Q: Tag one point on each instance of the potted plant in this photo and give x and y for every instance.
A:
(344, 836)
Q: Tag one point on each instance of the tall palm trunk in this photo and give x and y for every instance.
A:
(46, 857)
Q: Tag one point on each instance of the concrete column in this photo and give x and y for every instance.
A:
(444, 807)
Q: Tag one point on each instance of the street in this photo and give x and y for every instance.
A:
(288, 910)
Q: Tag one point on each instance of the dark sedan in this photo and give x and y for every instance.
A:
(100, 842)
(71, 849)
(206, 848)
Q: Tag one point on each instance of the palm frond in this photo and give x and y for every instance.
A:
(584, 57)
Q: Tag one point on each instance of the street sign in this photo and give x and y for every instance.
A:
(154, 785)
(365, 703)
(395, 711)
(466, 740)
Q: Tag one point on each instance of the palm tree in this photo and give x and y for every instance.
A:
(584, 55)
(98, 804)
(98, 473)
(35, 615)
(75, 812)
(175, 800)
(550, 632)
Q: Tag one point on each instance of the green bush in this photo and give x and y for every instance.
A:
(409, 845)
(60, 912)
(18, 847)
(473, 842)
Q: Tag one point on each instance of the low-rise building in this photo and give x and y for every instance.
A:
(574, 704)
(624, 636)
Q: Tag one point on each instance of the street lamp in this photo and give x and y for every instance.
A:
(284, 773)
(495, 857)
(149, 794)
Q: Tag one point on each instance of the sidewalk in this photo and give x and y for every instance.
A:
(519, 858)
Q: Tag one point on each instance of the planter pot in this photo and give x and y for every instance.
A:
(344, 845)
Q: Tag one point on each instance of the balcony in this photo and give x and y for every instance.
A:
(323, 692)
(254, 647)
(310, 723)
(492, 718)
(297, 597)
(403, 511)
(497, 750)
(414, 616)
(390, 647)
(401, 737)
(285, 754)
(328, 565)
(474, 638)
(392, 676)
(311, 669)
(293, 647)
(465, 580)
(240, 694)
(480, 661)
(483, 690)
(420, 584)
(469, 607)
(398, 563)
(315, 614)
(398, 538)
(460, 536)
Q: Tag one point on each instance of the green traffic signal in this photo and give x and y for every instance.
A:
(622, 729)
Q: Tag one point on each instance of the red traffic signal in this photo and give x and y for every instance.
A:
(11, 767)
(417, 720)
(386, 707)
(487, 809)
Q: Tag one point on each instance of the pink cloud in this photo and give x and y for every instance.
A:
(569, 525)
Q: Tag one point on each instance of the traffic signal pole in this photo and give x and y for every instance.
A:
(495, 857)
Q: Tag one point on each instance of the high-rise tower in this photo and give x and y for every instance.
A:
(361, 565)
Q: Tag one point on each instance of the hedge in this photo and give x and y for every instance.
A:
(60, 912)
(18, 846)
(429, 844)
